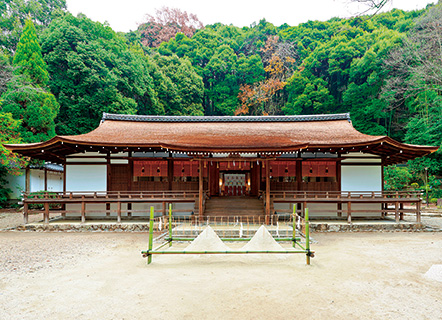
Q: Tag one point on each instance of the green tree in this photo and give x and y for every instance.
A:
(14, 13)
(28, 58)
(397, 178)
(186, 86)
(94, 71)
(10, 163)
(26, 97)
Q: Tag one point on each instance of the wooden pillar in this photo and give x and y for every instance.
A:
(108, 182)
(396, 211)
(418, 211)
(267, 191)
(83, 211)
(349, 212)
(130, 187)
(28, 180)
(119, 212)
(25, 212)
(200, 195)
(299, 174)
(303, 209)
(401, 212)
(170, 173)
(164, 209)
(64, 176)
(45, 170)
(46, 213)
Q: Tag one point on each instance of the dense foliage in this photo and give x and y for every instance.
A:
(383, 69)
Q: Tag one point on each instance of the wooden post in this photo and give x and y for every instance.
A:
(401, 212)
(307, 236)
(149, 255)
(119, 212)
(83, 211)
(200, 195)
(170, 224)
(396, 211)
(349, 212)
(45, 170)
(28, 180)
(418, 211)
(46, 213)
(294, 225)
(267, 220)
(164, 209)
(25, 212)
(170, 173)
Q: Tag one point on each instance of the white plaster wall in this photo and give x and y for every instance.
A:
(55, 181)
(361, 178)
(86, 177)
(37, 180)
(17, 184)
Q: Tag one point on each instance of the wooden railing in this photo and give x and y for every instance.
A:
(386, 199)
(61, 199)
(322, 195)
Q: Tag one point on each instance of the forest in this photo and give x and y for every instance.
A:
(60, 72)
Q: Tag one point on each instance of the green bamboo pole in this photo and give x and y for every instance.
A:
(231, 239)
(294, 225)
(307, 236)
(224, 252)
(149, 253)
(170, 224)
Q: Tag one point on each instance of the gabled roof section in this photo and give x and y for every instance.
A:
(267, 134)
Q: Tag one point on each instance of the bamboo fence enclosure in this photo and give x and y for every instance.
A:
(296, 223)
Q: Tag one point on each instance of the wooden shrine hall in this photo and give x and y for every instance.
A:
(221, 165)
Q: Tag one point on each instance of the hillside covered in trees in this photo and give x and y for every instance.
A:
(59, 73)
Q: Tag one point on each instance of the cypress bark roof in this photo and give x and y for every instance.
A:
(331, 133)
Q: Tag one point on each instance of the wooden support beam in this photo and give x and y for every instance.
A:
(170, 173)
(83, 211)
(200, 194)
(418, 211)
(25, 213)
(349, 212)
(46, 213)
(164, 209)
(401, 213)
(45, 170)
(119, 212)
(396, 211)
(28, 180)
(267, 168)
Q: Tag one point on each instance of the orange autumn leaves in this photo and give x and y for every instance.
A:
(263, 97)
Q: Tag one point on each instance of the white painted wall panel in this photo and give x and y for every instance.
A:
(37, 180)
(361, 178)
(55, 181)
(17, 184)
(86, 177)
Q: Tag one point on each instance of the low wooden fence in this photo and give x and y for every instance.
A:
(84, 198)
(389, 201)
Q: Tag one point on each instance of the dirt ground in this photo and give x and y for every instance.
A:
(102, 276)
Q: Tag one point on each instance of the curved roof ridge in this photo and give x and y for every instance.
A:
(281, 118)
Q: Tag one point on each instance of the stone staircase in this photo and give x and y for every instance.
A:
(234, 206)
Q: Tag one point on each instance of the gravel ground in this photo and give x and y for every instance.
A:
(10, 218)
(102, 276)
(32, 252)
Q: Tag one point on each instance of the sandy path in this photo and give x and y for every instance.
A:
(102, 276)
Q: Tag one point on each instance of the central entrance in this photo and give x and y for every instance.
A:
(235, 183)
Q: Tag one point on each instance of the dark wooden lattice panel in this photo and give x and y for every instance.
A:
(119, 177)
